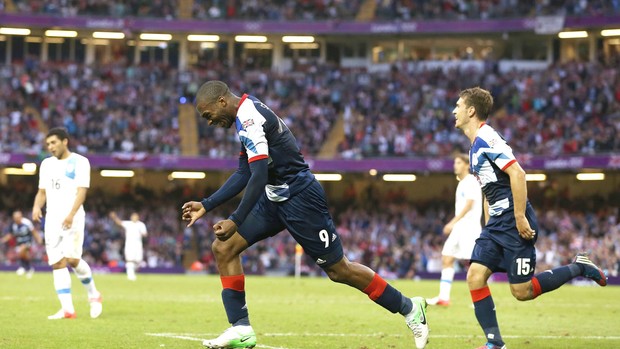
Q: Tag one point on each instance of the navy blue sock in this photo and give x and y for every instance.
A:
(26, 264)
(550, 280)
(485, 313)
(233, 297)
(387, 296)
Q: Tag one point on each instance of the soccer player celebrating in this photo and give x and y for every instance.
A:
(280, 193)
(135, 230)
(64, 179)
(462, 230)
(506, 243)
(22, 230)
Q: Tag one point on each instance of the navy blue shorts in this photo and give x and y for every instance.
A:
(501, 249)
(306, 217)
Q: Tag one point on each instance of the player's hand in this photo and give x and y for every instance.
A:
(224, 229)
(523, 226)
(191, 211)
(448, 229)
(67, 223)
(37, 214)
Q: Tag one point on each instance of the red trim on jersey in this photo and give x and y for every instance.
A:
(536, 289)
(482, 124)
(376, 287)
(480, 294)
(233, 282)
(245, 95)
(242, 153)
(508, 164)
(258, 157)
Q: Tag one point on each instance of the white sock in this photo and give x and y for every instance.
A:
(445, 285)
(83, 272)
(62, 284)
(131, 270)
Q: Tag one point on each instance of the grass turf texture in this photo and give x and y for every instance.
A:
(166, 311)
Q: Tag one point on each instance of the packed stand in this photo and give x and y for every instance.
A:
(538, 112)
(490, 9)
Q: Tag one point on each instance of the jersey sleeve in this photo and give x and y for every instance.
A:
(143, 229)
(28, 223)
(495, 148)
(43, 175)
(82, 173)
(249, 124)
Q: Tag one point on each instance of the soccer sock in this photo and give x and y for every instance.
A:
(549, 280)
(26, 264)
(83, 272)
(62, 284)
(485, 313)
(233, 296)
(387, 296)
(131, 270)
(445, 285)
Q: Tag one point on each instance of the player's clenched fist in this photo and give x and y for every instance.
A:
(224, 229)
(192, 211)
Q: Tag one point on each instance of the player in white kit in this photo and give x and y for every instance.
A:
(462, 230)
(135, 230)
(64, 179)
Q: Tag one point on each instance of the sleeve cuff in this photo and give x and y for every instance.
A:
(233, 217)
(206, 203)
(508, 164)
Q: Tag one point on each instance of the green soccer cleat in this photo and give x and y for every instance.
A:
(416, 321)
(590, 270)
(234, 337)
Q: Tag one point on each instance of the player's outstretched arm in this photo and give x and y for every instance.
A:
(115, 219)
(6, 238)
(519, 196)
(39, 202)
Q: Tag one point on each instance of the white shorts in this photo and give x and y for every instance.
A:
(63, 243)
(460, 243)
(134, 253)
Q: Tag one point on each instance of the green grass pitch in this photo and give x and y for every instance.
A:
(166, 311)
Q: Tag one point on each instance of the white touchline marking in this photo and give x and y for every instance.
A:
(184, 336)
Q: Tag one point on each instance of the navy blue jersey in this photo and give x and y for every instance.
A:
(264, 135)
(22, 232)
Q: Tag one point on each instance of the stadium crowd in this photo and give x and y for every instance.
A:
(322, 9)
(400, 239)
(115, 108)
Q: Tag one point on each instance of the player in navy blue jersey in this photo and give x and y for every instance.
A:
(23, 231)
(280, 193)
(506, 243)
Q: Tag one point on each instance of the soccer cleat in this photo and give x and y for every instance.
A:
(30, 273)
(61, 314)
(233, 337)
(590, 270)
(20, 271)
(437, 301)
(96, 306)
(492, 346)
(416, 321)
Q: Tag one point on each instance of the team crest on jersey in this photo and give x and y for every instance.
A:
(247, 123)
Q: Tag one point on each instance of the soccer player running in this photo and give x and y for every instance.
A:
(64, 179)
(506, 243)
(135, 230)
(462, 230)
(280, 193)
(23, 231)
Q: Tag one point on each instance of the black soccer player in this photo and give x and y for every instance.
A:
(280, 193)
(23, 231)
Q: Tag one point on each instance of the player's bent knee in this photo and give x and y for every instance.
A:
(223, 249)
(338, 272)
(521, 294)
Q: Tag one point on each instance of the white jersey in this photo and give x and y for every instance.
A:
(134, 231)
(468, 189)
(61, 180)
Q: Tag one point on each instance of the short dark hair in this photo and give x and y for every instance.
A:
(210, 91)
(480, 99)
(464, 157)
(59, 132)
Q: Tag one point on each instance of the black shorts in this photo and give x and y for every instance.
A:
(306, 217)
(501, 248)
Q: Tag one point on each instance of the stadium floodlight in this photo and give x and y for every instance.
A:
(573, 35)
(590, 176)
(61, 33)
(535, 177)
(155, 37)
(117, 173)
(310, 46)
(14, 31)
(29, 167)
(250, 38)
(109, 35)
(16, 171)
(203, 38)
(372, 172)
(399, 177)
(610, 32)
(328, 177)
(187, 175)
(297, 39)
